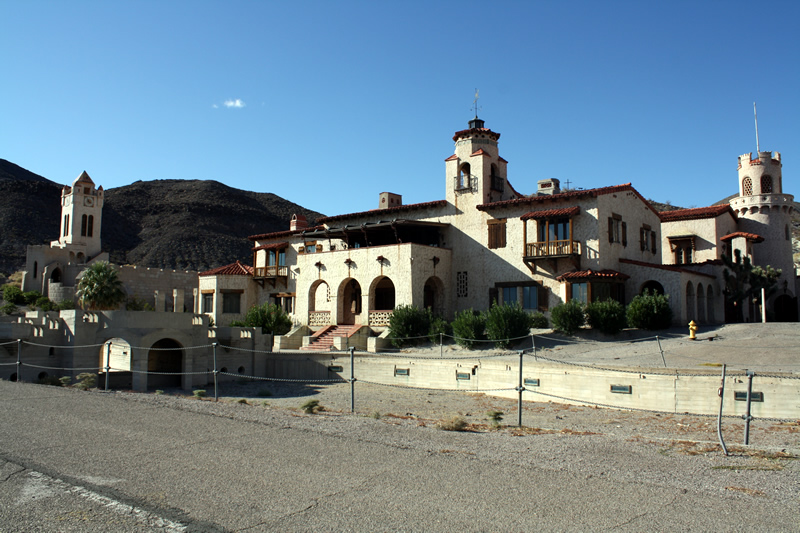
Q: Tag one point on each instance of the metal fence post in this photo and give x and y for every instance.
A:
(216, 393)
(108, 362)
(19, 360)
(441, 345)
(747, 416)
(520, 388)
(719, 418)
(352, 381)
(660, 349)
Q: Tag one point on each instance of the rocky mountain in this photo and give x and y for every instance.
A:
(180, 224)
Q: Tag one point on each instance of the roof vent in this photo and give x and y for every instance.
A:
(298, 222)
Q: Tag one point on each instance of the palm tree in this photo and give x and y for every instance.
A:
(99, 288)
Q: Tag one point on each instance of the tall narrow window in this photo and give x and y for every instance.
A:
(83, 226)
(90, 228)
(747, 187)
(617, 230)
(530, 297)
(509, 295)
(66, 225)
(766, 184)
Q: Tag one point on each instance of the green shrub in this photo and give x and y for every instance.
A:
(30, 297)
(13, 294)
(86, 380)
(608, 316)
(65, 381)
(408, 323)
(199, 393)
(439, 326)
(311, 407)
(159, 392)
(468, 327)
(507, 322)
(568, 317)
(64, 305)
(45, 304)
(539, 321)
(138, 304)
(650, 311)
(269, 317)
(495, 417)
(8, 308)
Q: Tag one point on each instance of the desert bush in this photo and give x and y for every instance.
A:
(468, 327)
(650, 311)
(132, 303)
(539, 321)
(29, 297)
(568, 317)
(311, 407)
(13, 294)
(54, 381)
(504, 323)
(608, 316)
(243, 401)
(408, 323)
(86, 380)
(439, 326)
(45, 304)
(271, 318)
(199, 393)
(65, 381)
(64, 305)
(8, 308)
(456, 423)
(495, 417)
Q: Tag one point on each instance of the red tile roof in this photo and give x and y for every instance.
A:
(279, 234)
(592, 274)
(481, 151)
(749, 236)
(454, 156)
(380, 212)
(475, 131)
(551, 213)
(672, 268)
(234, 269)
(271, 246)
(696, 213)
(588, 193)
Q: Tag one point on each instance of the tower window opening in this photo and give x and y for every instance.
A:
(747, 187)
(83, 225)
(90, 226)
(766, 184)
(463, 180)
(66, 225)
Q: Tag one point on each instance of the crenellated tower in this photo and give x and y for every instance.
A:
(475, 173)
(764, 209)
(81, 217)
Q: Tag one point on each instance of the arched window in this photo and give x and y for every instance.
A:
(90, 228)
(83, 226)
(36, 266)
(463, 178)
(747, 187)
(766, 184)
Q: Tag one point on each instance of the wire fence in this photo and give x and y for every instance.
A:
(527, 358)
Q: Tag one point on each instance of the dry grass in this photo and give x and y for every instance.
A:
(745, 490)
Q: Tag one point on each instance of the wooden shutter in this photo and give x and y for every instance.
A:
(653, 241)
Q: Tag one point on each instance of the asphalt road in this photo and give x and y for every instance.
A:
(89, 461)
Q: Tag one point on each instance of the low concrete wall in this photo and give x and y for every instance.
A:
(656, 389)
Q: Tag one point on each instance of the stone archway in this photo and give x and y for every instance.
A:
(120, 362)
(652, 287)
(382, 295)
(165, 359)
(55, 276)
(349, 302)
(319, 304)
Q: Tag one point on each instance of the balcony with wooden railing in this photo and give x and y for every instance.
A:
(552, 249)
(274, 271)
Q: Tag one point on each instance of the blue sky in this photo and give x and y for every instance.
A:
(330, 103)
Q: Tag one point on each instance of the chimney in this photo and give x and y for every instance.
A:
(298, 222)
(390, 199)
(551, 186)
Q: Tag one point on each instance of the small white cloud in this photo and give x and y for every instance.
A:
(234, 103)
(215, 106)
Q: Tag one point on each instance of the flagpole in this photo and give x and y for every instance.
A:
(755, 114)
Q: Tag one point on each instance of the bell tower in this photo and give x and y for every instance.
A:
(475, 173)
(81, 216)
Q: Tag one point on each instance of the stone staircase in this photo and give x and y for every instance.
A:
(323, 342)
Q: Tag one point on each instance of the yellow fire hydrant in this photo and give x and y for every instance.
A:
(692, 329)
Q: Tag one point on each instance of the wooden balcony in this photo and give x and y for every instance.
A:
(537, 251)
(552, 249)
(271, 274)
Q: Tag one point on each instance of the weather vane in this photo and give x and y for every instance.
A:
(475, 103)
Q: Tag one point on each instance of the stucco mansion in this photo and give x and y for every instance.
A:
(485, 242)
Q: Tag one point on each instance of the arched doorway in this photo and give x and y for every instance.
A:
(433, 296)
(701, 304)
(118, 359)
(165, 358)
(690, 302)
(350, 302)
(55, 277)
(710, 303)
(319, 304)
(382, 295)
(652, 287)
